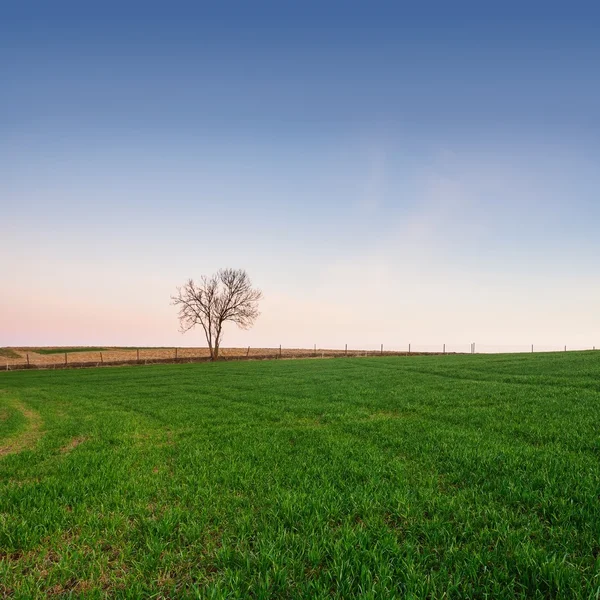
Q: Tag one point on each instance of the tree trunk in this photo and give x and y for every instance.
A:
(217, 342)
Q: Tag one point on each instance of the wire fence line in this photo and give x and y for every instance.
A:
(30, 359)
(478, 348)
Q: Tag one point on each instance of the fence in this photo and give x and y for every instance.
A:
(28, 358)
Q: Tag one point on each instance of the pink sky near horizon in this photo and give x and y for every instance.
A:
(426, 312)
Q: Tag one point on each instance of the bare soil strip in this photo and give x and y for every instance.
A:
(73, 444)
(27, 438)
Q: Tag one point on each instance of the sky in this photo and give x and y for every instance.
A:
(392, 173)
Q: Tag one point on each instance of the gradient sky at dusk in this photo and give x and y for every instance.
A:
(385, 174)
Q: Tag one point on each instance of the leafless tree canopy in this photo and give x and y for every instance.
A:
(227, 295)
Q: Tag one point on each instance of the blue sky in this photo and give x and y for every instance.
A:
(384, 173)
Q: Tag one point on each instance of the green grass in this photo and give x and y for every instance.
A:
(8, 353)
(422, 477)
(12, 421)
(68, 350)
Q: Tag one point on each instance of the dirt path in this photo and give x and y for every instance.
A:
(26, 438)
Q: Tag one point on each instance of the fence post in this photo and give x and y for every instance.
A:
(279, 350)
(531, 348)
(175, 353)
(248, 352)
(65, 358)
(101, 359)
(409, 348)
(381, 348)
(138, 354)
(27, 360)
(565, 348)
(444, 348)
(346, 350)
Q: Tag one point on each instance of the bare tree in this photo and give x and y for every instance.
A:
(227, 295)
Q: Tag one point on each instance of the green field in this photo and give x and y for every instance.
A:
(416, 477)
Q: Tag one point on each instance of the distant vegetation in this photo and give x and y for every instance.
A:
(68, 350)
(429, 477)
(8, 353)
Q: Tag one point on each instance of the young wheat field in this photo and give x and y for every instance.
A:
(393, 477)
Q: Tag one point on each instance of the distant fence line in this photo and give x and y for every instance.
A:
(182, 355)
(177, 358)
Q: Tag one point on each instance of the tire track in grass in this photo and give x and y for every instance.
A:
(26, 438)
